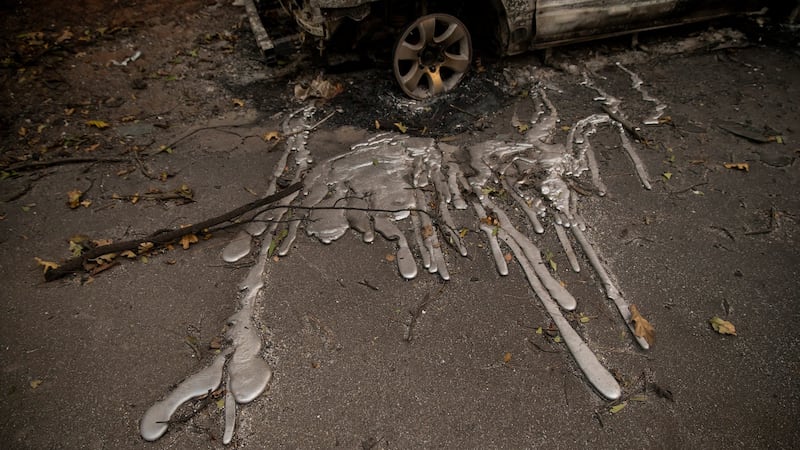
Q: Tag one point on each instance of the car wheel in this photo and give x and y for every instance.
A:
(432, 56)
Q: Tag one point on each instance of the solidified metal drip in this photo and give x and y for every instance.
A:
(155, 421)
(597, 375)
(636, 83)
(376, 185)
(247, 373)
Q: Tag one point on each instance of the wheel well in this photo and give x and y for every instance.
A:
(485, 21)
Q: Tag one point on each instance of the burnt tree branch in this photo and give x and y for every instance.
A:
(165, 236)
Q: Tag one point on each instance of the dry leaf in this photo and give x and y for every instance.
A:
(188, 240)
(738, 166)
(128, 254)
(74, 198)
(377, 124)
(617, 408)
(390, 257)
(427, 231)
(318, 87)
(86, 203)
(508, 257)
(215, 343)
(490, 220)
(238, 102)
(103, 267)
(641, 327)
(65, 36)
(522, 128)
(507, 357)
(145, 247)
(99, 242)
(97, 124)
(268, 136)
(35, 383)
(722, 326)
(105, 259)
(463, 232)
(46, 264)
(400, 126)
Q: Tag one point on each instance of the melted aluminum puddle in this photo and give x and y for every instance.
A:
(378, 185)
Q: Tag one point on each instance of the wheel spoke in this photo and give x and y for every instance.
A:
(457, 63)
(427, 29)
(410, 80)
(407, 52)
(435, 82)
(450, 36)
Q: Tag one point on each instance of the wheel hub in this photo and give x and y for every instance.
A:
(432, 56)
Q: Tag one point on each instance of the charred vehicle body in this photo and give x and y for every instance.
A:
(434, 38)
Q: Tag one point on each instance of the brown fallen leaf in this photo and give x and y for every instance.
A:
(641, 327)
(508, 257)
(74, 198)
(216, 343)
(490, 220)
(46, 264)
(188, 240)
(65, 36)
(145, 247)
(270, 135)
(105, 259)
(390, 257)
(722, 326)
(738, 166)
(103, 267)
(507, 357)
(98, 124)
(427, 231)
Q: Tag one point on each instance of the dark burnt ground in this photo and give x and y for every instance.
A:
(81, 360)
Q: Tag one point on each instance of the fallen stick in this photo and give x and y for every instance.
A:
(165, 236)
(629, 126)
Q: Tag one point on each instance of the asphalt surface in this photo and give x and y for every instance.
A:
(82, 358)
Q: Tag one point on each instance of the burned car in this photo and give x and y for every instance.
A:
(434, 39)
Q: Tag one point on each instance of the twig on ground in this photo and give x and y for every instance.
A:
(165, 236)
(629, 126)
(690, 188)
(417, 312)
(367, 284)
(464, 111)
